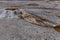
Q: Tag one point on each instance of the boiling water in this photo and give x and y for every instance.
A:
(8, 14)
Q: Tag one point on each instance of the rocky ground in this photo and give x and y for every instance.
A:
(19, 29)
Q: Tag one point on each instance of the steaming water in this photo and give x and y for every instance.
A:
(8, 14)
